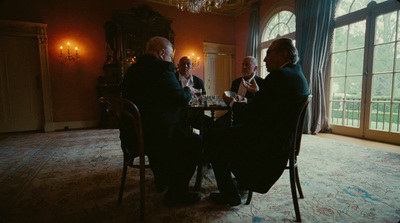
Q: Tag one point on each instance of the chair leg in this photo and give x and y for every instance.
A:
(298, 183)
(199, 177)
(121, 190)
(249, 197)
(142, 190)
(294, 193)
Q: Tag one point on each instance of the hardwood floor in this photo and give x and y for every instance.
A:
(364, 142)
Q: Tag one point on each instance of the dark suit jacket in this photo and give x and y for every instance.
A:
(197, 82)
(236, 83)
(194, 119)
(264, 130)
(152, 85)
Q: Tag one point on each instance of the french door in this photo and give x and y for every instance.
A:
(365, 74)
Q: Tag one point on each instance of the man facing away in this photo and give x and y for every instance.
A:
(173, 151)
(256, 151)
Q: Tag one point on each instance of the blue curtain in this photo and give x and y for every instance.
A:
(253, 32)
(314, 31)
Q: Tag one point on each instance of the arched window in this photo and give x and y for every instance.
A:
(282, 23)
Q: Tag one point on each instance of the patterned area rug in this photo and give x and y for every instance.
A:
(74, 176)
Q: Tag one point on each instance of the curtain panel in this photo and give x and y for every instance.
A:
(314, 31)
(253, 32)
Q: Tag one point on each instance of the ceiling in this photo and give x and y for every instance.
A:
(230, 8)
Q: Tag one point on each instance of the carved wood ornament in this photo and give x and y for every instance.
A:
(126, 36)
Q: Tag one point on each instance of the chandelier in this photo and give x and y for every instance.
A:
(195, 6)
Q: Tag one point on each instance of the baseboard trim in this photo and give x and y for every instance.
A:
(72, 125)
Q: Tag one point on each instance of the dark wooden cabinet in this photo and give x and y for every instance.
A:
(127, 33)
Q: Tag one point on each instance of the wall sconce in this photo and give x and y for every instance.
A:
(195, 61)
(69, 57)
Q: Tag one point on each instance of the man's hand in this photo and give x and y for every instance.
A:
(193, 90)
(252, 86)
(240, 98)
(227, 99)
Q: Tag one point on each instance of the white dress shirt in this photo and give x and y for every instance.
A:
(243, 90)
(186, 82)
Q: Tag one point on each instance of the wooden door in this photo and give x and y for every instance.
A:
(21, 106)
(218, 69)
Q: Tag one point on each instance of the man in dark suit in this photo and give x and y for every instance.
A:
(172, 150)
(256, 151)
(185, 77)
(239, 85)
(244, 87)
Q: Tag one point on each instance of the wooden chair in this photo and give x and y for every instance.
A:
(295, 136)
(120, 108)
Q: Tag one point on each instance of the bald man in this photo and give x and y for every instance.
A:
(173, 151)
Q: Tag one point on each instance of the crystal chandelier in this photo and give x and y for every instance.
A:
(195, 6)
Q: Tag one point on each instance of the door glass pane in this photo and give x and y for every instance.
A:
(356, 35)
(355, 62)
(396, 104)
(398, 25)
(397, 57)
(385, 28)
(381, 87)
(337, 98)
(340, 38)
(339, 64)
(352, 113)
(353, 101)
(395, 118)
(381, 101)
(353, 88)
(396, 90)
(383, 58)
(380, 116)
(337, 86)
(336, 114)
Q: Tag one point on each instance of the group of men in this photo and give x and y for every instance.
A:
(253, 150)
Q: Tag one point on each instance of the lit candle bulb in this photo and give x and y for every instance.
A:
(76, 51)
(61, 50)
(68, 49)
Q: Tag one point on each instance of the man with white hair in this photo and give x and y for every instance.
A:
(173, 151)
(245, 88)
